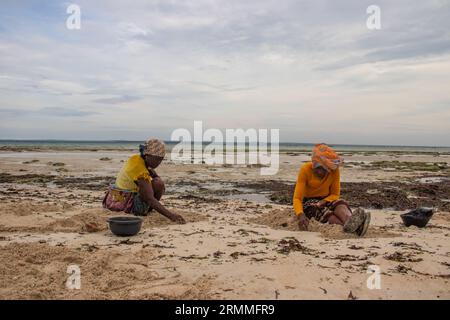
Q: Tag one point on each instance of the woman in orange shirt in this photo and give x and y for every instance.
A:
(317, 194)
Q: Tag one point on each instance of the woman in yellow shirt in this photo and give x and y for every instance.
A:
(317, 194)
(138, 189)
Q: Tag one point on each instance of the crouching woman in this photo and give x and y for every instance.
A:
(317, 194)
(138, 188)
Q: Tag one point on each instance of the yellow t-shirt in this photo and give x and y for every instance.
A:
(309, 186)
(133, 170)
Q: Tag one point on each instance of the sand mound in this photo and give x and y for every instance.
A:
(39, 271)
(285, 220)
(87, 221)
(95, 220)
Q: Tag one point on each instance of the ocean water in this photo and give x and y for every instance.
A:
(134, 145)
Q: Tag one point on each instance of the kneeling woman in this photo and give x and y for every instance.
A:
(317, 194)
(138, 188)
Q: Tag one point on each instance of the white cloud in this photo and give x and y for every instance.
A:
(311, 69)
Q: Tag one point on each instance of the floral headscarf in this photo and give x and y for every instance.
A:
(153, 147)
(326, 157)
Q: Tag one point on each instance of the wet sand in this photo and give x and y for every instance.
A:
(240, 241)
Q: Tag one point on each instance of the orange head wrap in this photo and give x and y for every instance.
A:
(323, 155)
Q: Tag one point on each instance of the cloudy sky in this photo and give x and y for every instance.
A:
(312, 69)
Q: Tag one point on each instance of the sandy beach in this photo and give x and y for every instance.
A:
(240, 241)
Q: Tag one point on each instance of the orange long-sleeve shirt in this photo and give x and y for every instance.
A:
(310, 186)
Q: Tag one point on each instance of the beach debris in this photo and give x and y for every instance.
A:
(289, 287)
(288, 244)
(193, 257)
(218, 253)
(236, 254)
(402, 269)
(80, 183)
(348, 257)
(105, 159)
(244, 232)
(128, 242)
(196, 232)
(406, 166)
(232, 244)
(161, 246)
(325, 267)
(362, 266)
(30, 161)
(355, 247)
(351, 296)
(89, 247)
(92, 227)
(402, 257)
(57, 164)
(260, 240)
(277, 294)
(324, 290)
(262, 259)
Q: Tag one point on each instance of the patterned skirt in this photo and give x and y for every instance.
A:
(321, 214)
(126, 201)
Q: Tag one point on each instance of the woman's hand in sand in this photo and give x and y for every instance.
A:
(303, 222)
(177, 218)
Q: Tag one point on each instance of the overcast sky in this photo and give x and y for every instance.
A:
(312, 69)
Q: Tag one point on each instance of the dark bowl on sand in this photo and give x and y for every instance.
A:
(125, 226)
(418, 217)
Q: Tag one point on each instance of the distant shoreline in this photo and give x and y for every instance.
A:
(126, 145)
(63, 141)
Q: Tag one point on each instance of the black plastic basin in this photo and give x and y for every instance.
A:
(418, 217)
(125, 226)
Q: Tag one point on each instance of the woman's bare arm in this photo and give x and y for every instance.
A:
(146, 193)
